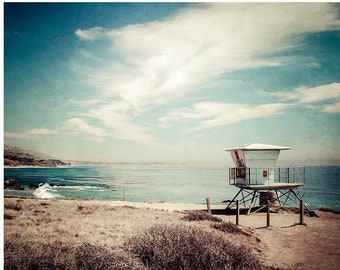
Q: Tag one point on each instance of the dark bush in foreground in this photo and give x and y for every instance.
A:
(93, 257)
(62, 256)
(37, 256)
(13, 206)
(160, 247)
(186, 247)
(197, 215)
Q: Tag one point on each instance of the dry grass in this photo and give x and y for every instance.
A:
(86, 210)
(13, 206)
(34, 255)
(75, 234)
(197, 215)
(93, 257)
(189, 247)
(159, 247)
(228, 227)
(11, 210)
(22, 254)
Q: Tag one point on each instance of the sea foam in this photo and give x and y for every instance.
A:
(45, 191)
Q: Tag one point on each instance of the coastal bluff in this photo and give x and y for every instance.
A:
(15, 156)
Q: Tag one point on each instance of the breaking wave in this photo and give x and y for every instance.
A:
(45, 191)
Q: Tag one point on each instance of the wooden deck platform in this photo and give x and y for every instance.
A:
(275, 186)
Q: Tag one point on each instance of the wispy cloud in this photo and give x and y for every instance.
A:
(333, 108)
(214, 114)
(318, 93)
(90, 34)
(118, 118)
(30, 133)
(11, 135)
(79, 102)
(304, 95)
(157, 63)
(41, 131)
(89, 55)
(78, 125)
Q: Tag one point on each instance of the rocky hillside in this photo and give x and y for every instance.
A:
(15, 156)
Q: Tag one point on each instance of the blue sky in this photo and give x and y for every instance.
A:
(172, 82)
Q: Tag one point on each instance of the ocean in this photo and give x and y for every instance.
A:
(159, 183)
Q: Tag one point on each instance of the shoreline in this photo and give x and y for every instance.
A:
(37, 167)
(162, 205)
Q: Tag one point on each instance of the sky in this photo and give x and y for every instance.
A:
(172, 82)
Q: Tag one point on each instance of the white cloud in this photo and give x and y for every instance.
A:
(160, 62)
(41, 131)
(333, 108)
(213, 114)
(90, 34)
(309, 96)
(31, 132)
(11, 135)
(318, 93)
(89, 55)
(117, 117)
(78, 125)
(84, 102)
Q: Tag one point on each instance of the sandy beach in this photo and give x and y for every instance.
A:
(285, 244)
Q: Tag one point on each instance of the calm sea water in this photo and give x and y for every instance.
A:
(159, 183)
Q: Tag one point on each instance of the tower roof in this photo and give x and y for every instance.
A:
(259, 146)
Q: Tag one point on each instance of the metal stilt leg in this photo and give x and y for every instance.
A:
(251, 203)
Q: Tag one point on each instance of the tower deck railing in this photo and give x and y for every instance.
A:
(267, 176)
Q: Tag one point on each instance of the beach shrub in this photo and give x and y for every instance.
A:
(228, 227)
(13, 206)
(197, 215)
(86, 210)
(34, 255)
(188, 247)
(8, 216)
(95, 257)
(23, 255)
(44, 204)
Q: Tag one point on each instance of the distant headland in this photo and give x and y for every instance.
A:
(15, 156)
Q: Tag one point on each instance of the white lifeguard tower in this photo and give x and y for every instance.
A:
(259, 180)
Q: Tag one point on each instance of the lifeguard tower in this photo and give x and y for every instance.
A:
(259, 180)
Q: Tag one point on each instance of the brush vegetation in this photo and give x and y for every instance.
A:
(72, 235)
(198, 215)
(228, 227)
(188, 247)
(57, 255)
(159, 247)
